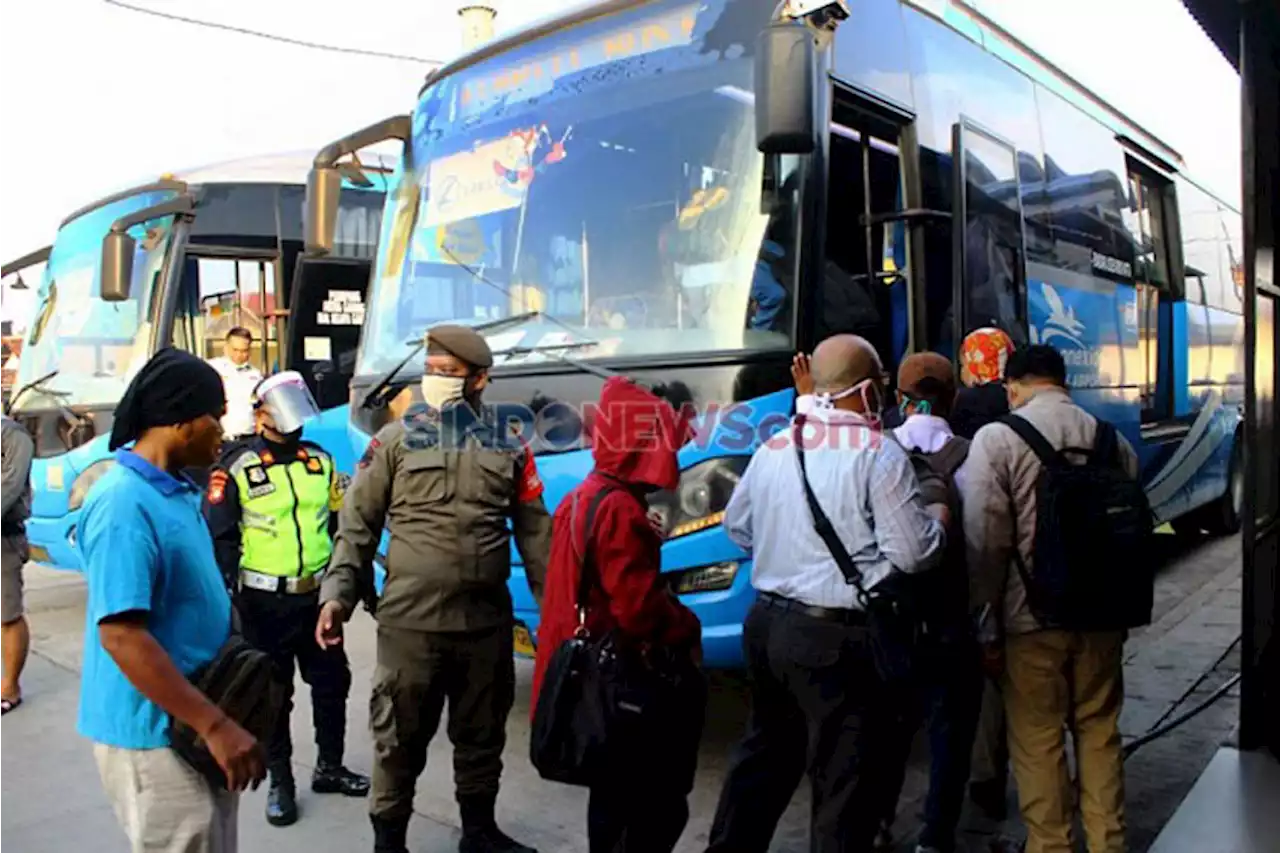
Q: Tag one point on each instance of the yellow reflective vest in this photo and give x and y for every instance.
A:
(285, 506)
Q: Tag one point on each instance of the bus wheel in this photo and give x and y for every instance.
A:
(1223, 517)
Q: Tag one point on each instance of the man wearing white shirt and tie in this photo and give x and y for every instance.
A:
(239, 378)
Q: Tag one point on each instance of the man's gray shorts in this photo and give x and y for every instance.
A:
(13, 556)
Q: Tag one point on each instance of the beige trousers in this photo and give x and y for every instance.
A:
(163, 805)
(1057, 681)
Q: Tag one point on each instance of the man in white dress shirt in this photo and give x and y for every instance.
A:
(239, 378)
(818, 704)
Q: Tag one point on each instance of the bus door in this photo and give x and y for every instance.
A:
(326, 314)
(988, 239)
(864, 286)
(224, 290)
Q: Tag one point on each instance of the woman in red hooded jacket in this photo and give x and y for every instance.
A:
(634, 436)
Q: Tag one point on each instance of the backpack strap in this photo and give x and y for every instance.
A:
(1106, 447)
(952, 455)
(1034, 439)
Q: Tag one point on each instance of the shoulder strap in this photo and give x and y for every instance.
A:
(1037, 442)
(821, 524)
(1106, 447)
(584, 556)
(952, 455)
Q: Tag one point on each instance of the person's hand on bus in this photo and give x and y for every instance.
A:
(800, 373)
(329, 625)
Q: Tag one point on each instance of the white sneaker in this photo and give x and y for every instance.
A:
(920, 848)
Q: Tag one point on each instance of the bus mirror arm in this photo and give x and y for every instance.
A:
(324, 183)
(118, 246)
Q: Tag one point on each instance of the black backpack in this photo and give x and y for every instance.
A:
(1093, 568)
(943, 592)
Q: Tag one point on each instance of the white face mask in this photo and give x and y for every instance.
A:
(441, 391)
(870, 412)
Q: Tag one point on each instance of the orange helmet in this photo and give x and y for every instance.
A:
(983, 355)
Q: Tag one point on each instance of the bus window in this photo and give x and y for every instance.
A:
(991, 239)
(863, 287)
(219, 294)
(1152, 210)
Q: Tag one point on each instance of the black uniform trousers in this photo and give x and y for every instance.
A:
(417, 673)
(817, 707)
(643, 806)
(946, 696)
(284, 626)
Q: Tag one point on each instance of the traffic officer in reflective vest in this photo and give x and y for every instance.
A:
(446, 481)
(272, 507)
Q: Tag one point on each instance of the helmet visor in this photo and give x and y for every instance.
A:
(288, 400)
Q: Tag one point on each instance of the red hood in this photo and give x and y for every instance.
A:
(635, 435)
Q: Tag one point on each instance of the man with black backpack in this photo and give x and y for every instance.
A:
(1058, 533)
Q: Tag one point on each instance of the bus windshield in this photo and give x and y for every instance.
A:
(93, 345)
(606, 177)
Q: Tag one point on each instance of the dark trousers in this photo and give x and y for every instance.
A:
(817, 707)
(946, 698)
(284, 626)
(418, 672)
(643, 806)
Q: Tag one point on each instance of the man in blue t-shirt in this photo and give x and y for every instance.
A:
(157, 610)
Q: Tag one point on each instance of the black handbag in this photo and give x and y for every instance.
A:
(893, 622)
(240, 680)
(599, 699)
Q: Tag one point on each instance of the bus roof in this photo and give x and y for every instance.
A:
(283, 168)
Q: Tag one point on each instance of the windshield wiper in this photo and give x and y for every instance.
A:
(380, 394)
(35, 384)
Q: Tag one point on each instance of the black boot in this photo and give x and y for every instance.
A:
(330, 777)
(282, 801)
(480, 833)
(389, 834)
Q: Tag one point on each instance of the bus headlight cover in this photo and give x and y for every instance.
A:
(83, 483)
(699, 501)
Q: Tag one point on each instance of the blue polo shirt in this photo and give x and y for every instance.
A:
(146, 547)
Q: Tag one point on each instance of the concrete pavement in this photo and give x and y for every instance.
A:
(52, 799)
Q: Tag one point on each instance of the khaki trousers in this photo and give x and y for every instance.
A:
(1057, 681)
(163, 805)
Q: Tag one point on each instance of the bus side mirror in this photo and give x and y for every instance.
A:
(324, 186)
(786, 68)
(117, 265)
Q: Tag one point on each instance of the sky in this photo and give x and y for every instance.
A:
(96, 97)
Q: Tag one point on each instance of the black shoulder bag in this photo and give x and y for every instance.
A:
(891, 621)
(241, 682)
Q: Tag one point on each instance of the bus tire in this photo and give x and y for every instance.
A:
(1223, 517)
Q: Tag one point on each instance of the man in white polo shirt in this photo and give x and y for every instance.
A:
(239, 378)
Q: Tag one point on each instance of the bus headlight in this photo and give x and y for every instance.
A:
(80, 488)
(700, 499)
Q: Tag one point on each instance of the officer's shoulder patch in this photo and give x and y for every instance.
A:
(217, 486)
(245, 459)
(367, 457)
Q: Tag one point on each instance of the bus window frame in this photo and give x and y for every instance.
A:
(876, 108)
(1162, 413)
(959, 226)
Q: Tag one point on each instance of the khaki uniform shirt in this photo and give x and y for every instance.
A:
(446, 504)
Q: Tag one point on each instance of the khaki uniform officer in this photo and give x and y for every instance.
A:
(446, 485)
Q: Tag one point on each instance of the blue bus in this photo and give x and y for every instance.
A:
(180, 261)
(689, 193)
